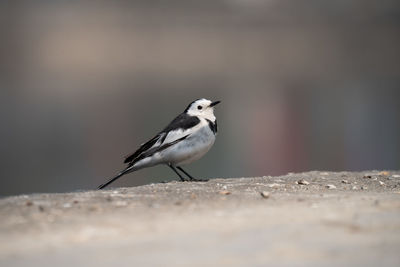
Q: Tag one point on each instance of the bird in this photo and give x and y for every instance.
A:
(184, 140)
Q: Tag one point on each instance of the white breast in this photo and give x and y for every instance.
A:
(192, 148)
(199, 141)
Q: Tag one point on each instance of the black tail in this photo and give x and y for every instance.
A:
(113, 179)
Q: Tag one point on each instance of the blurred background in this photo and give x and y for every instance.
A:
(304, 85)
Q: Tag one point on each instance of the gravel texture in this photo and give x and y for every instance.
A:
(300, 219)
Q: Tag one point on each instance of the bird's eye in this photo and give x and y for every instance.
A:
(199, 107)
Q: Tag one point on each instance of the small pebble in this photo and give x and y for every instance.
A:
(67, 205)
(303, 182)
(265, 194)
(225, 187)
(367, 176)
(345, 182)
(354, 187)
(274, 185)
(385, 173)
(29, 203)
(381, 183)
(395, 176)
(363, 187)
(324, 173)
(224, 192)
(330, 186)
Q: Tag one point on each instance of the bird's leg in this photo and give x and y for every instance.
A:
(191, 177)
(180, 176)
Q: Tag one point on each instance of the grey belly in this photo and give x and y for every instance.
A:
(184, 152)
(190, 149)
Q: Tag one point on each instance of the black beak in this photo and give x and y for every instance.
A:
(215, 103)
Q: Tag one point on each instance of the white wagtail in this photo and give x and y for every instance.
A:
(186, 139)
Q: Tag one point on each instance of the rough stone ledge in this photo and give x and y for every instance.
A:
(311, 219)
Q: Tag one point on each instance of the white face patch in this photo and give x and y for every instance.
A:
(202, 109)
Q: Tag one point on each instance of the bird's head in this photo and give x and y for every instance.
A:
(203, 108)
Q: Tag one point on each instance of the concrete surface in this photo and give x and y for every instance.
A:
(300, 219)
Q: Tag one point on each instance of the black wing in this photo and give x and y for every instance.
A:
(143, 148)
(156, 149)
(182, 121)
